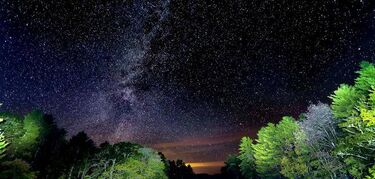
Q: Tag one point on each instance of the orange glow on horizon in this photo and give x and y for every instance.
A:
(206, 164)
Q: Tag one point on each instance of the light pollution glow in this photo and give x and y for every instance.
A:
(193, 149)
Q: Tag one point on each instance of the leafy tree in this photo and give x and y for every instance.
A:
(37, 140)
(146, 165)
(246, 156)
(371, 172)
(122, 160)
(23, 135)
(294, 163)
(12, 128)
(35, 129)
(273, 144)
(356, 146)
(344, 101)
(366, 79)
(321, 135)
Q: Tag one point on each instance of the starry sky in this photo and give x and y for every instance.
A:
(188, 78)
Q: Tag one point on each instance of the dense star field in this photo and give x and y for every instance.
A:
(188, 78)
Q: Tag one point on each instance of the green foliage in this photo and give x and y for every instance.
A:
(371, 173)
(366, 79)
(3, 145)
(294, 164)
(37, 140)
(3, 142)
(273, 144)
(246, 156)
(23, 135)
(16, 169)
(355, 106)
(12, 128)
(344, 101)
(318, 135)
(147, 165)
(293, 167)
(34, 127)
(122, 160)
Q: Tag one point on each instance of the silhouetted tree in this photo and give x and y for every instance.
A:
(50, 158)
(232, 168)
(80, 146)
(179, 170)
(165, 161)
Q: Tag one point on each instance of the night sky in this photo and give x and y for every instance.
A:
(188, 78)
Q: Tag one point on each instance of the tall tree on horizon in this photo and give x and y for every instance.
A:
(246, 156)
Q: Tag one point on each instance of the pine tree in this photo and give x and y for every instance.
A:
(247, 165)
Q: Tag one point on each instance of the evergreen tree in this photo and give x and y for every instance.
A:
(246, 156)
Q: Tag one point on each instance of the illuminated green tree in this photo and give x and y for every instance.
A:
(122, 160)
(295, 162)
(3, 142)
(147, 165)
(3, 145)
(344, 101)
(371, 173)
(273, 144)
(354, 108)
(247, 164)
(35, 129)
(24, 135)
(12, 128)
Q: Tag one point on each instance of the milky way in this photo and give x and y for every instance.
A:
(186, 77)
